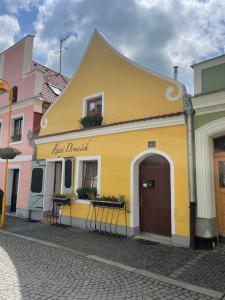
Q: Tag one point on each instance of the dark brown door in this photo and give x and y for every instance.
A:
(14, 190)
(155, 204)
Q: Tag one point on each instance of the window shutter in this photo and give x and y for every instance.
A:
(68, 175)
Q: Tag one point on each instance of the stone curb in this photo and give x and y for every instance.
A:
(204, 291)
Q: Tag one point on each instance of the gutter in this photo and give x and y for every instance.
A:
(189, 112)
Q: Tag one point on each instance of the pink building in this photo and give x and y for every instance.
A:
(34, 88)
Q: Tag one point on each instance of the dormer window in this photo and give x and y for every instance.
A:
(14, 94)
(94, 106)
(55, 89)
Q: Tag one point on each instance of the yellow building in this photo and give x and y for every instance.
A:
(119, 128)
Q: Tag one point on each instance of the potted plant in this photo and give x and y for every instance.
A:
(91, 121)
(87, 193)
(110, 201)
(9, 153)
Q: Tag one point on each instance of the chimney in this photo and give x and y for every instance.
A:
(175, 73)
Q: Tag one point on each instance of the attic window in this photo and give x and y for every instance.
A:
(55, 89)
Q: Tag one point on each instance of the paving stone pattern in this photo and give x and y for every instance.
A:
(30, 270)
(199, 267)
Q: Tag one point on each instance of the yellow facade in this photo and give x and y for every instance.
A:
(129, 93)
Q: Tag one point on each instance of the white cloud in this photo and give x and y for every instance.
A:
(9, 27)
(14, 6)
(156, 33)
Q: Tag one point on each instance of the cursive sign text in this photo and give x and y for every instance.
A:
(70, 147)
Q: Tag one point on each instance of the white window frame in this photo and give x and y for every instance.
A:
(13, 118)
(79, 173)
(1, 127)
(91, 97)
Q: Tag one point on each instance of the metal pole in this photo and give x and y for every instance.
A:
(7, 162)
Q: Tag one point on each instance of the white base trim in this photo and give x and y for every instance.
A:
(19, 158)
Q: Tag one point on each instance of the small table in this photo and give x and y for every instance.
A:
(56, 208)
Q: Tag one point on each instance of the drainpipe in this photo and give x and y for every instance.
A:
(189, 112)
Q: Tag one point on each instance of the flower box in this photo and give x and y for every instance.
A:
(112, 204)
(9, 153)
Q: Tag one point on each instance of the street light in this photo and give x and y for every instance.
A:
(6, 153)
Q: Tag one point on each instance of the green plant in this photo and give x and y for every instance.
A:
(87, 193)
(91, 121)
(55, 195)
(120, 198)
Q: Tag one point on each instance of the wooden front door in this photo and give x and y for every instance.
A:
(155, 203)
(14, 190)
(219, 167)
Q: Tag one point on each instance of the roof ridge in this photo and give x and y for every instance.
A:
(62, 75)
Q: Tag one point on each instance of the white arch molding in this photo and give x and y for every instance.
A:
(134, 187)
(206, 206)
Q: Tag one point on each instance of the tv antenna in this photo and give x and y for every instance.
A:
(62, 40)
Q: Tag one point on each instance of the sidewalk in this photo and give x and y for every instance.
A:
(199, 267)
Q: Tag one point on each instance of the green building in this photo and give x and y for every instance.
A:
(209, 124)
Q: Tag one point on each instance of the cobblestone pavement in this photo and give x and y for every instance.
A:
(30, 270)
(199, 267)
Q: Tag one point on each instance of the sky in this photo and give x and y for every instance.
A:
(157, 34)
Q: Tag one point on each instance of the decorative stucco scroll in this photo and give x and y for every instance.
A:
(170, 91)
(44, 122)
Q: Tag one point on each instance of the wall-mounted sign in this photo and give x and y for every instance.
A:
(151, 144)
(70, 147)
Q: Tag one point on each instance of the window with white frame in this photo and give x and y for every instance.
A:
(88, 173)
(17, 128)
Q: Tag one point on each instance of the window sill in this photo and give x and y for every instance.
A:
(82, 201)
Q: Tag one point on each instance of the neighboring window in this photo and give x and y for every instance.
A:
(94, 106)
(219, 144)
(0, 132)
(17, 129)
(89, 178)
(57, 91)
(36, 180)
(222, 173)
(14, 93)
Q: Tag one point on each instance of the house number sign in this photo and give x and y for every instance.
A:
(70, 147)
(151, 144)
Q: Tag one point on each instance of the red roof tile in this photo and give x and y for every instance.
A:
(50, 77)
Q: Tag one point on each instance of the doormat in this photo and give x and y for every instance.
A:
(32, 221)
(146, 242)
